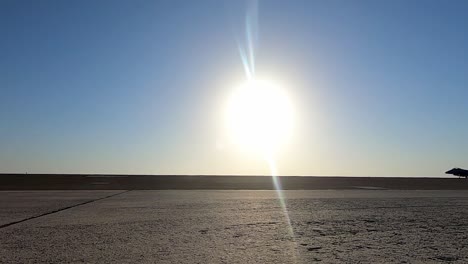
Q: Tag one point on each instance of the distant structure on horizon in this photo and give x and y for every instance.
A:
(458, 172)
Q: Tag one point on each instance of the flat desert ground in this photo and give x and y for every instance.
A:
(360, 224)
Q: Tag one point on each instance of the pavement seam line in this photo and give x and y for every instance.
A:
(61, 209)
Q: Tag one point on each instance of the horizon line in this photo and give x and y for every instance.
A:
(222, 175)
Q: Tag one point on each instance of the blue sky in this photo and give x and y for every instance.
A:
(137, 86)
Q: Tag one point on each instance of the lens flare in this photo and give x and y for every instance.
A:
(259, 113)
(247, 51)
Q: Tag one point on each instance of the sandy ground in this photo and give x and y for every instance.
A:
(345, 226)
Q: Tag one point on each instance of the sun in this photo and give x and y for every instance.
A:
(259, 116)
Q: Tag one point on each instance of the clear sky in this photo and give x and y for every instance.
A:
(379, 87)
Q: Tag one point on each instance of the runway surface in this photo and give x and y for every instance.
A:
(234, 226)
(181, 182)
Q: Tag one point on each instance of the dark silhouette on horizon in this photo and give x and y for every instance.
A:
(458, 172)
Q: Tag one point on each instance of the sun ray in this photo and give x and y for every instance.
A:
(259, 113)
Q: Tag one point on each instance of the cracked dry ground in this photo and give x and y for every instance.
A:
(247, 227)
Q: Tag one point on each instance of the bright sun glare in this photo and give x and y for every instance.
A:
(259, 116)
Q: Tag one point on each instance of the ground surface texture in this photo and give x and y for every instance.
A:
(174, 226)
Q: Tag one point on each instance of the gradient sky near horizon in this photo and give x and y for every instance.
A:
(379, 87)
